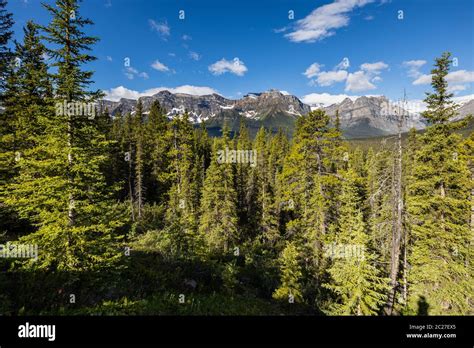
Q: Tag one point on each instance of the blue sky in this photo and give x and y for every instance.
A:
(330, 49)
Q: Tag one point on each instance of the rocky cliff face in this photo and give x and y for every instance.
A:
(202, 108)
(465, 109)
(373, 116)
(362, 117)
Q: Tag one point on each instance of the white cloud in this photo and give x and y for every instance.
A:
(324, 20)
(285, 92)
(325, 99)
(194, 55)
(456, 88)
(130, 72)
(327, 78)
(464, 98)
(157, 65)
(460, 76)
(313, 70)
(143, 75)
(280, 30)
(374, 68)
(414, 67)
(115, 94)
(456, 78)
(365, 78)
(236, 66)
(161, 28)
(358, 81)
(109, 58)
(422, 80)
(186, 37)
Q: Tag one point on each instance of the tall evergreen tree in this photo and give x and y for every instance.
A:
(439, 209)
(27, 98)
(355, 279)
(182, 211)
(219, 221)
(158, 147)
(290, 288)
(139, 159)
(6, 32)
(60, 186)
(310, 179)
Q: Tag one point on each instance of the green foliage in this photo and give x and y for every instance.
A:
(6, 32)
(133, 211)
(219, 221)
(439, 209)
(355, 278)
(290, 287)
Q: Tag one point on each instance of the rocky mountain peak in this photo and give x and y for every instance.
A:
(364, 116)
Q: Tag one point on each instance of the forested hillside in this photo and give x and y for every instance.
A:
(142, 214)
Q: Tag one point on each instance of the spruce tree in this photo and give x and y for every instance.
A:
(310, 183)
(158, 147)
(245, 186)
(26, 98)
(60, 186)
(355, 278)
(182, 211)
(219, 220)
(139, 158)
(290, 288)
(6, 32)
(439, 207)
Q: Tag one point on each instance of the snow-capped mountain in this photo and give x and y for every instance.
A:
(373, 116)
(360, 117)
(203, 108)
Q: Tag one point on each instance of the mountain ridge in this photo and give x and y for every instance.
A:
(360, 117)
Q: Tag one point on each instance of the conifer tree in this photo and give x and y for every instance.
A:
(355, 278)
(182, 213)
(290, 288)
(310, 182)
(139, 140)
(264, 176)
(6, 32)
(27, 95)
(379, 202)
(245, 186)
(60, 186)
(219, 221)
(158, 147)
(439, 209)
(6, 72)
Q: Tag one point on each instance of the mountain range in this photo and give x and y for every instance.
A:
(360, 117)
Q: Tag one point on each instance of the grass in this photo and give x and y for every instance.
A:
(194, 304)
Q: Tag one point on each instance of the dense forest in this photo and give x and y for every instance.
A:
(140, 214)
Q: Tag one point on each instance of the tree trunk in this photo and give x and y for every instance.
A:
(398, 222)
